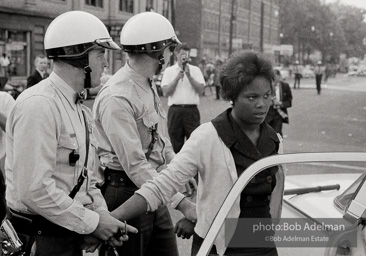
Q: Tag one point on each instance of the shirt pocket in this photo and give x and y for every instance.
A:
(66, 145)
(149, 120)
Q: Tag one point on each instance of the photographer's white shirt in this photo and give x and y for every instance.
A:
(184, 92)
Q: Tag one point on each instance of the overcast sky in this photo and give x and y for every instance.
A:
(357, 3)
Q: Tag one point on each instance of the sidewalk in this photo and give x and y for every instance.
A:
(341, 82)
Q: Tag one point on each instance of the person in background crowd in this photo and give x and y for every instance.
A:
(131, 125)
(281, 100)
(50, 146)
(183, 84)
(5, 65)
(297, 69)
(217, 84)
(6, 104)
(219, 152)
(92, 92)
(209, 82)
(319, 71)
(40, 73)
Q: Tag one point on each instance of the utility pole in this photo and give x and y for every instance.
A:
(219, 39)
(232, 18)
(262, 27)
(173, 24)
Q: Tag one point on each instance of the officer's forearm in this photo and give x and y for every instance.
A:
(132, 208)
(170, 88)
(196, 85)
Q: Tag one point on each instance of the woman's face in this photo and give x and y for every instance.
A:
(253, 102)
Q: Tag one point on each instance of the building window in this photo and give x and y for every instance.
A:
(126, 6)
(166, 8)
(96, 3)
(149, 5)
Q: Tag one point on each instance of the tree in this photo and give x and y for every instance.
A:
(351, 19)
(331, 29)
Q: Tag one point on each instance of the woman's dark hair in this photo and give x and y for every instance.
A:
(241, 69)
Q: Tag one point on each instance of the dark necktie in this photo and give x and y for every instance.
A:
(80, 97)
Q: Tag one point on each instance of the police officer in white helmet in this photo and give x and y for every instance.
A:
(51, 188)
(130, 121)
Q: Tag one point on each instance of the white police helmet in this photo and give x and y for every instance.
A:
(147, 32)
(75, 33)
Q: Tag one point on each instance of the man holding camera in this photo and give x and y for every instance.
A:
(183, 84)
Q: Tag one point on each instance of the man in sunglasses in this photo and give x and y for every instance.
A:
(51, 188)
(130, 120)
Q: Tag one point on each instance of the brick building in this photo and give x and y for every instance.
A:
(23, 24)
(205, 26)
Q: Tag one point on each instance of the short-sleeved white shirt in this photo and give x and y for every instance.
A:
(184, 92)
(6, 104)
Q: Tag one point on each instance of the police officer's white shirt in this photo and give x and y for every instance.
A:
(43, 128)
(6, 104)
(184, 92)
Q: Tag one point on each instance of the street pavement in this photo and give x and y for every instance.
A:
(332, 121)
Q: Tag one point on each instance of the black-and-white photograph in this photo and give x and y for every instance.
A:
(182, 127)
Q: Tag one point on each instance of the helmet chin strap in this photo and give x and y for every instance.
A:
(161, 63)
(84, 64)
(87, 80)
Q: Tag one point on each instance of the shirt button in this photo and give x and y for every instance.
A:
(120, 179)
(249, 199)
(253, 180)
(269, 179)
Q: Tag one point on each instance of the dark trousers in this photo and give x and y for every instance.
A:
(197, 242)
(196, 245)
(59, 246)
(156, 235)
(182, 121)
(2, 197)
(276, 123)
(318, 80)
(297, 80)
(218, 88)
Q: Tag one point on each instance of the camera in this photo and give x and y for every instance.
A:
(184, 60)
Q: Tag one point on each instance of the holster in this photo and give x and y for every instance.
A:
(37, 225)
(22, 226)
(28, 226)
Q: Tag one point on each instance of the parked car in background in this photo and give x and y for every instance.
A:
(313, 196)
(308, 72)
(285, 72)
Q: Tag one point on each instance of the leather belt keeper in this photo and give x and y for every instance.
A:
(117, 178)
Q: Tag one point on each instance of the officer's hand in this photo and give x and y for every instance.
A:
(108, 226)
(114, 242)
(188, 209)
(184, 228)
(191, 188)
(91, 243)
